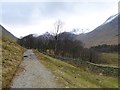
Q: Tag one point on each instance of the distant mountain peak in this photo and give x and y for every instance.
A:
(107, 33)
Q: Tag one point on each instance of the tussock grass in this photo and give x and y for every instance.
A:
(74, 77)
(11, 58)
(111, 58)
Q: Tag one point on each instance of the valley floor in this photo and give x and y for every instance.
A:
(41, 71)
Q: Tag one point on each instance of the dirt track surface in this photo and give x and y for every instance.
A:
(32, 74)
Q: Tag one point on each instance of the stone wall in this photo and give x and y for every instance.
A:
(101, 69)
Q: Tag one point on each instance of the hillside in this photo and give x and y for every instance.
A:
(0, 63)
(11, 58)
(5, 33)
(107, 33)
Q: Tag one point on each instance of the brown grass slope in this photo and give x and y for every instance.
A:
(0, 63)
(11, 58)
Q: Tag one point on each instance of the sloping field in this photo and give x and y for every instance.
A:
(74, 77)
(111, 58)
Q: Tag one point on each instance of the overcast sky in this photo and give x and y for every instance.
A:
(23, 18)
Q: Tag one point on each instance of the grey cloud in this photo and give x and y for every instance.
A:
(19, 13)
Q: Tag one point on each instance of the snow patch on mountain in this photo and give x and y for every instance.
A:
(110, 19)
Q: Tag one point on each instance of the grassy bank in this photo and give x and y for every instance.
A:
(11, 58)
(74, 77)
(111, 58)
(0, 63)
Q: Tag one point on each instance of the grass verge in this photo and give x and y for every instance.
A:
(74, 77)
(0, 63)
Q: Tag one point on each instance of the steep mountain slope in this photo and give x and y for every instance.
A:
(5, 33)
(11, 56)
(107, 33)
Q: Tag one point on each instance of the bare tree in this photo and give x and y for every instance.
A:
(58, 26)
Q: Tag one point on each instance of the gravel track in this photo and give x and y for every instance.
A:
(32, 74)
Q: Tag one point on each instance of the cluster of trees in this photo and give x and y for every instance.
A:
(106, 48)
(63, 45)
